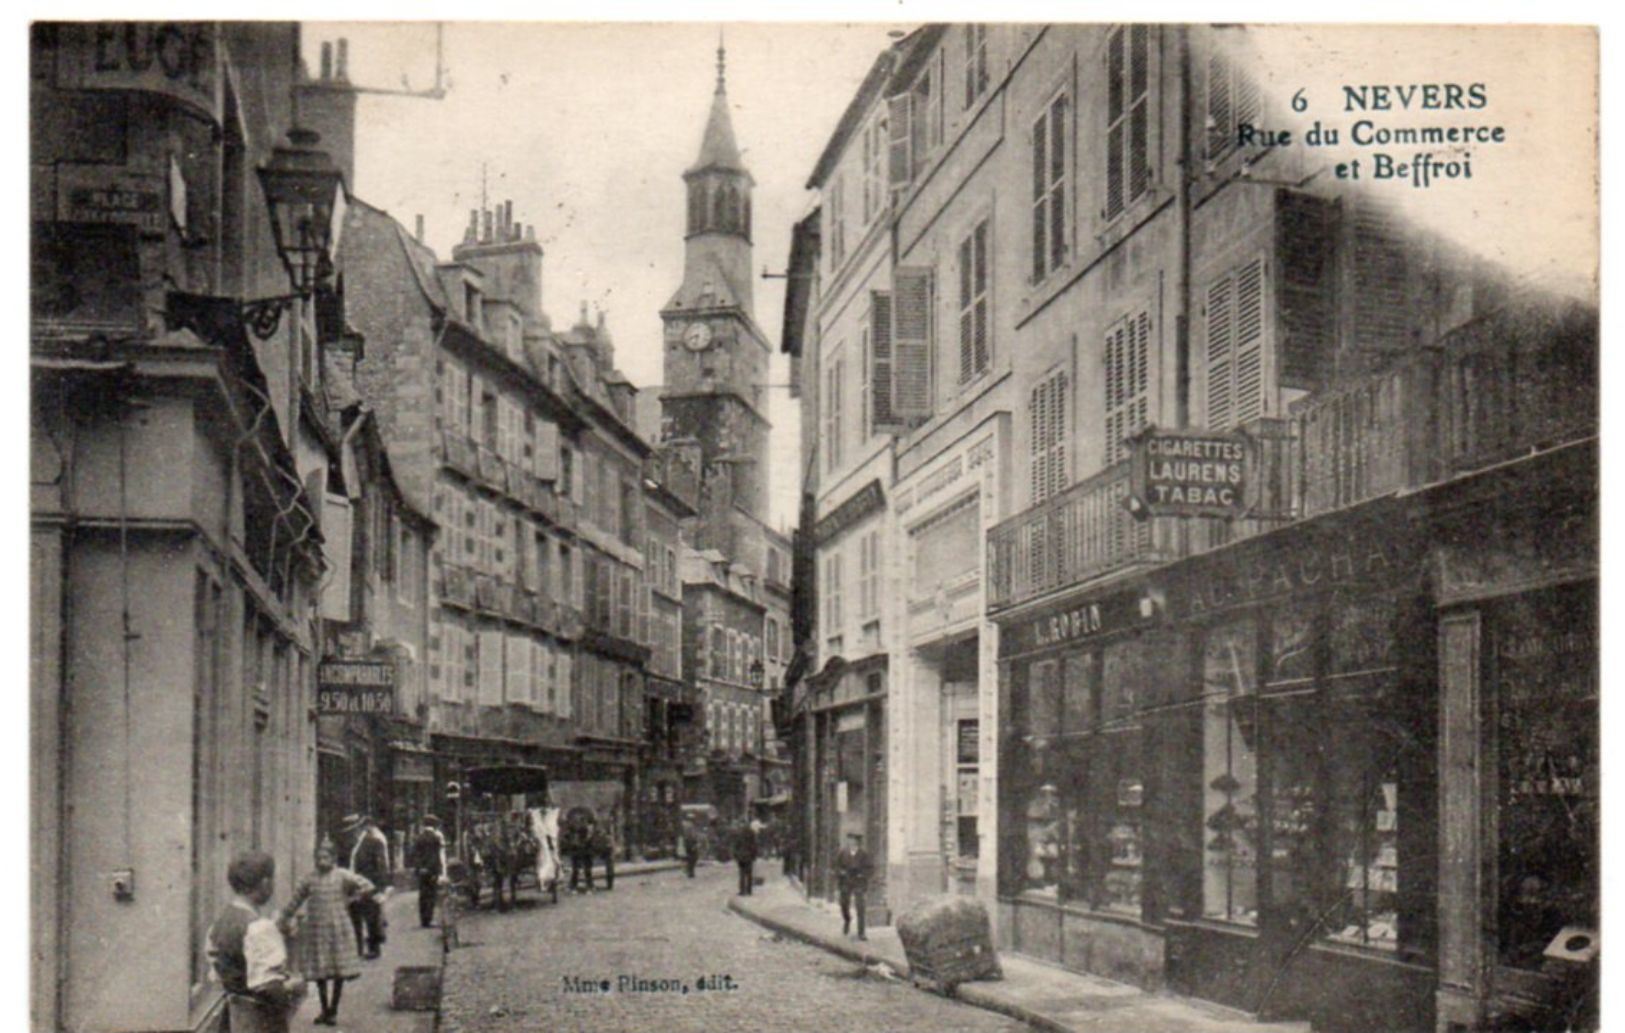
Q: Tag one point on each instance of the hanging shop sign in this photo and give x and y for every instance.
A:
(1190, 473)
(866, 500)
(355, 687)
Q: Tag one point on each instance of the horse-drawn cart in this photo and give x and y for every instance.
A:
(506, 834)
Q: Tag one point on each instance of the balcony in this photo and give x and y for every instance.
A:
(493, 469)
(461, 455)
(1494, 389)
(1084, 532)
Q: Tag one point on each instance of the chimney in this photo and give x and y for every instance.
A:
(418, 235)
(486, 239)
(472, 234)
(342, 72)
(530, 232)
(507, 220)
(327, 61)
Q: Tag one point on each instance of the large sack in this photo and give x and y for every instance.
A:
(948, 941)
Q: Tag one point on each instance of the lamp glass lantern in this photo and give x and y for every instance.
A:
(304, 192)
(756, 674)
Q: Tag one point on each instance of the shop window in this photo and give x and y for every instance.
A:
(1545, 672)
(1361, 703)
(966, 757)
(1230, 773)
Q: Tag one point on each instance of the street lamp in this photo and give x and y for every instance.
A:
(756, 674)
(304, 194)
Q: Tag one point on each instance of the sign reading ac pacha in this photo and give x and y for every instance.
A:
(355, 687)
(1192, 473)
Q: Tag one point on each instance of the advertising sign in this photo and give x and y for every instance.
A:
(176, 59)
(1192, 473)
(355, 687)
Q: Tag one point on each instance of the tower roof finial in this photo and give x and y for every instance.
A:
(722, 61)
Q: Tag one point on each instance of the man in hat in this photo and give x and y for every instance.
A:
(852, 870)
(429, 861)
(369, 858)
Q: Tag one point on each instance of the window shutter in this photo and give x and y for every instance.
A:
(1040, 162)
(1128, 375)
(1139, 157)
(911, 343)
(900, 165)
(547, 450)
(1048, 444)
(881, 386)
(1220, 354)
(1116, 87)
(1221, 121)
(490, 663)
(1250, 341)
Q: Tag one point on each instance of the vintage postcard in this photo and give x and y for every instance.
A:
(811, 526)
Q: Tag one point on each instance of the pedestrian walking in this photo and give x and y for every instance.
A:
(744, 851)
(321, 945)
(852, 871)
(248, 953)
(603, 847)
(369, 858)
(688, 845)
(578, 844)
(429, 862)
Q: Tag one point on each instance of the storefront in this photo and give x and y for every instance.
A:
(1080, 679)
(847, 715)
(1305, 871)
(1519, 878)
(1218, 777)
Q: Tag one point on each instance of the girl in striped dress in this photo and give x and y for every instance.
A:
(324, 937)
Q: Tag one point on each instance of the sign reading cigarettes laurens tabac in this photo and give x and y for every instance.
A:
(1192, 473)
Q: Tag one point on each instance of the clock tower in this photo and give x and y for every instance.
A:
(716, 357)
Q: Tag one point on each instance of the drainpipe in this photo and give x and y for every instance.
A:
(1182, 286)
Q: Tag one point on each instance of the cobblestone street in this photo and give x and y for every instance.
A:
(515, 971)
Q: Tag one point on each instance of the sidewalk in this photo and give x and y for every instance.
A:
(1041, 995)
(365, 1007)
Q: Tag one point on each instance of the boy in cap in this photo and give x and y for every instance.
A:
(852, 870)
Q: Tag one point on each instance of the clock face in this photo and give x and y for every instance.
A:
(697, 337)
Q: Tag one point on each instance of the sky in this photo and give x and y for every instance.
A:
(587, 130)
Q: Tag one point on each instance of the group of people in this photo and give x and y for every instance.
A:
(332, 908)
(584, 839)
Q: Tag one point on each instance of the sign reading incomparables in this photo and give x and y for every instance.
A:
(355, 687)
(1190, 473)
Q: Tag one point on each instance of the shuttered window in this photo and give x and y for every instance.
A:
(876, 140)
(517, 655)
(869, 576)
(1128, 155)
(490, 666)
(974, 343)
(837, 223)
(880, 385)
(911, 343)
(547, 450)
(1050, 162)
(1048, 415)
(1233, 100)
(1234, 358)
(1128, 378)
(975, 62)
(900, 144)
(834, 374)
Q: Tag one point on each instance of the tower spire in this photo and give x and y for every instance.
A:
(722, 62)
